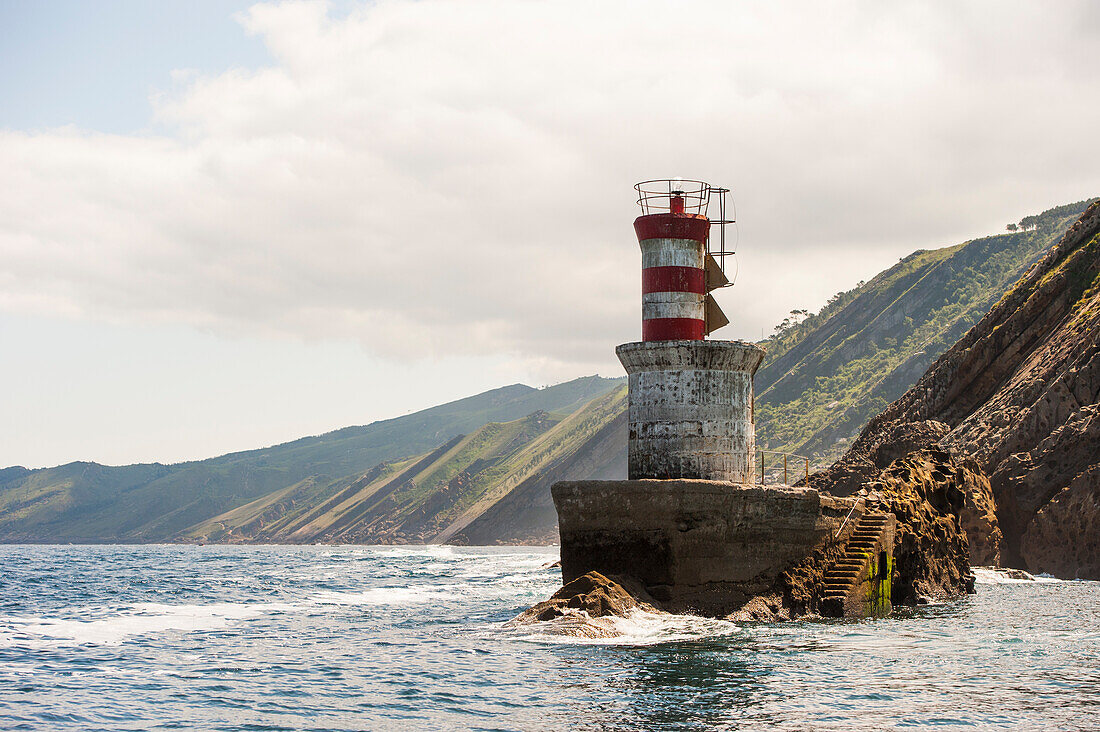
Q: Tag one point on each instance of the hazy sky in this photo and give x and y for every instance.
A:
(225, 227)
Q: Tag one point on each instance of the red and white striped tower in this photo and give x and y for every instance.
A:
(673, 272)
(690, 410)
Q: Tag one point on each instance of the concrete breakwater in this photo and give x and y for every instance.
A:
(754, 552)
(694, 545)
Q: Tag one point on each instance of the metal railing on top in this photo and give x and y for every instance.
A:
(846, 518)
(788, 457)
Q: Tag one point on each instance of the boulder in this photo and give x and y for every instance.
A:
(594, 596)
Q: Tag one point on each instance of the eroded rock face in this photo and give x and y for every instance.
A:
(867, 458)
(1064, 537)
(1020, 393)
(979, 517)
(928, 492)
(1025, 482)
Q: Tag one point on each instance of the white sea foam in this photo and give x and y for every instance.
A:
(135, 620)
(405, 552)
(1003, 576)
(383, 596)
(640, 628)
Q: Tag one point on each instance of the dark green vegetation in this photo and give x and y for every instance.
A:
(90, 502)
(825, 376)
(478, 470)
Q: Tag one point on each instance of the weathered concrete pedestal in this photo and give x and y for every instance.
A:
(691, 409)
(696, 545)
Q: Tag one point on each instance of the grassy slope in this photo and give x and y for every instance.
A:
(825, 378)
(422, 499)
(91, 502)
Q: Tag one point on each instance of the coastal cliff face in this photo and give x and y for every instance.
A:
(1019, 392)
(827, 373)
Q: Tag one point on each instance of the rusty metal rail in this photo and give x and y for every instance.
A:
(787, 459)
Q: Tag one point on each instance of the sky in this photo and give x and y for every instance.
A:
(227, 225)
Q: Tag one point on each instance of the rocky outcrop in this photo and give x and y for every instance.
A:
(868, 458)
(594, 595)
(1019, 392)
(581, 607)
(979, 516)
(771, 552)
(928, 492)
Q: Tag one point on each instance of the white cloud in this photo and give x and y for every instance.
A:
(440, 178)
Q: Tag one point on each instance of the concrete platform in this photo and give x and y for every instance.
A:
(696, 545)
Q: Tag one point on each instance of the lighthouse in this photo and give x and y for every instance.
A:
(690, 399)
(690, 525)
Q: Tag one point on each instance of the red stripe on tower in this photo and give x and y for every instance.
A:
(673, 276)
(673, 279)
(672, 329)
(672, 226)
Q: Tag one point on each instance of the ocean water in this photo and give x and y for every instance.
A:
(416, 638)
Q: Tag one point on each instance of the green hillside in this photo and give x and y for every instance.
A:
(825, 376)
(91, 502)
(428, 498)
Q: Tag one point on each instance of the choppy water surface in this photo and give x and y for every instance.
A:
(335, 638)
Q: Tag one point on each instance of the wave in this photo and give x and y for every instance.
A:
(1007, 576)
(639, 628)
(433, 551)
(383, 596)
(136, 620)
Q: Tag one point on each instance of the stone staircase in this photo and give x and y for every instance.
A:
(857, 584)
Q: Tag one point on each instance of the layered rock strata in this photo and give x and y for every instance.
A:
(1020, 394)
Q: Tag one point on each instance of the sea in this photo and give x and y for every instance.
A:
(169, 637)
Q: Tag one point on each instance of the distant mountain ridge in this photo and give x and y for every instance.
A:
(88, 502)
(478, 470)
(424, 499)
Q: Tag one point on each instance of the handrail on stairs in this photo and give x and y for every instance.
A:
(845, 521)
(764, 477)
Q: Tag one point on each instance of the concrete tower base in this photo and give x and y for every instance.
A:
(691, 409)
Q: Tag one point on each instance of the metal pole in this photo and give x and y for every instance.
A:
(785, 469)
(722, 226)
(807, 461)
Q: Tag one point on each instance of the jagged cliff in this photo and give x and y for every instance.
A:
(1019, 392)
